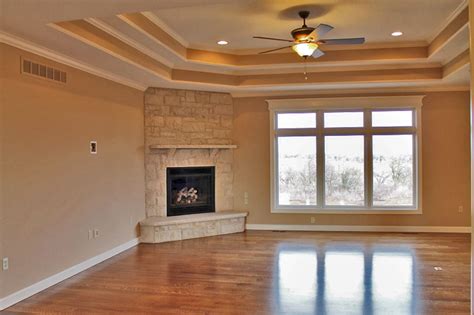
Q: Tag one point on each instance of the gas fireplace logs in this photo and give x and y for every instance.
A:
(187, 195)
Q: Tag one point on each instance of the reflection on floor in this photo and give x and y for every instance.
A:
(264, 272)
(342, 280)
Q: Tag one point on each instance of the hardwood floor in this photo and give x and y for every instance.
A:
(263, 272)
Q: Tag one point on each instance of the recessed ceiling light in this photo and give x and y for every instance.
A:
(397, 33)
(222, 42)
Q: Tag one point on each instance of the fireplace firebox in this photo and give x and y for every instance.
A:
(190, 190)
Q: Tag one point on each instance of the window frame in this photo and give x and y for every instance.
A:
(345, 104)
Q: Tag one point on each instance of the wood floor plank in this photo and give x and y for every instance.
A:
(264, 272)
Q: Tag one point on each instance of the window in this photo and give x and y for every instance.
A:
(393, 118)
(296, 120)
(297, 170)
(344, 170)
(392, 170)
(350, 157)
(343, 119)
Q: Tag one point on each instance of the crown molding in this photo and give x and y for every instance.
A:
(20, 43)
(345, 102)
(182, 56)
(464, 4)
(457, 63)
(158, 22)
(161, 70)
(108, 29)
(33, 48)
(350, 91)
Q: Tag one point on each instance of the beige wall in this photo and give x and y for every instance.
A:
(2, 101)
(445, 166)
(471, 27)
(53, 189)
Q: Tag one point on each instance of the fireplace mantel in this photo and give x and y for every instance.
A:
(192, 146)
(213, 148)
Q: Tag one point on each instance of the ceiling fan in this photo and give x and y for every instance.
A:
(306, 40)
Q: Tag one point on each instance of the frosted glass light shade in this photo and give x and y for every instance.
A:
(305, 49)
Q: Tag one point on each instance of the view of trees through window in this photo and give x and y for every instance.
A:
(297, 170)
(343, 158)
(344, 170)
(393, 170)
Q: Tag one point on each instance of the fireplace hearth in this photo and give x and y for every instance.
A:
(190, 190)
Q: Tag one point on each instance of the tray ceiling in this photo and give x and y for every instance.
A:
(238, 21)
(173, 43)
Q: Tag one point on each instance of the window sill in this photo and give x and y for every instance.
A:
(348, 211)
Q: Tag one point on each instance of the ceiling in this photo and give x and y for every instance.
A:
(144, 43)
(238, 21)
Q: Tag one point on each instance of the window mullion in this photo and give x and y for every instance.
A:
(320, 187)
(368, 159)
(415, 164)
(416, 114)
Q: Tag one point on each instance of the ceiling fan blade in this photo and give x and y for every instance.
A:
(317, 53)
(271, 38)
(319, 31)
(343, 41)
(267, 51)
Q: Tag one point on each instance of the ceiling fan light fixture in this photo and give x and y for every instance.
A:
(305, 49)
(397, 33)
(222, 42)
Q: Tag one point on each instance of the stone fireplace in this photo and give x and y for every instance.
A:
(188, 131)
(181, 129)
(189, 190)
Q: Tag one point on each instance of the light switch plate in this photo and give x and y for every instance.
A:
(93, 147)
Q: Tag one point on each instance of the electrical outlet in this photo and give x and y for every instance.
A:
(460, 209)
(313, 219)
(246, 198)
(91, 234)
(96, 233)
(5, 263)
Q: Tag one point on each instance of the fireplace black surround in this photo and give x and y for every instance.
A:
(190, 190)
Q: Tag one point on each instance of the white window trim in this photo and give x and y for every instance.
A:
(376, 102)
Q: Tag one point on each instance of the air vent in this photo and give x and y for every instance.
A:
(43, 71)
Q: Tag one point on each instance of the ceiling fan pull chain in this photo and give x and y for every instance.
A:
(305, 69)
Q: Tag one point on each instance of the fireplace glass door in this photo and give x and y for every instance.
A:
(190, 190)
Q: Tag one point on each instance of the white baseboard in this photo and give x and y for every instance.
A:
(359, 228)
(63, 275)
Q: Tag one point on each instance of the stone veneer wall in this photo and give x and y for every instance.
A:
(187, 117)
